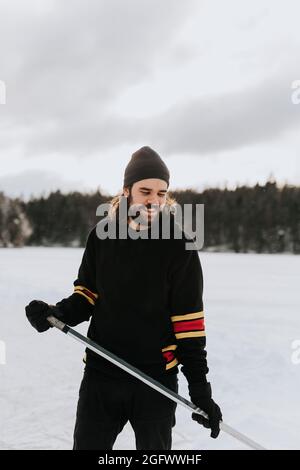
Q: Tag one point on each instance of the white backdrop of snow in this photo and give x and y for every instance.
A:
(252, 318)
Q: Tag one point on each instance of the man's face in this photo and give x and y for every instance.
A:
(150, 193)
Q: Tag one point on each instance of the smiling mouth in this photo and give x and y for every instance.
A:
(151, 213)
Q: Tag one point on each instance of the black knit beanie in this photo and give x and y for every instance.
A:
(145, 163)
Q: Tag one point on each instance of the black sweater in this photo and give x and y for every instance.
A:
(144, 298)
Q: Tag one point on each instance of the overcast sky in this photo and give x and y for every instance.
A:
(207, 84)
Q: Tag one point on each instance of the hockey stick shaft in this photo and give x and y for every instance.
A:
(147, 380)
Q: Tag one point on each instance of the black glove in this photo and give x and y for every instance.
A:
(200, 394)
(37, 312)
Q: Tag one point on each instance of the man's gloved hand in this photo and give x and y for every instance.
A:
(37, 312)
(200, 394)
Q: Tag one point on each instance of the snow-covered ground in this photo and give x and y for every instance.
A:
(252, 318)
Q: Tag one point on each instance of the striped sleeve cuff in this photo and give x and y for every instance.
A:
(169, 356)
(90, 296)
(189, 325)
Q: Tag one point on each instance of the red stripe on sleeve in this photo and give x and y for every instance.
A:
(168, 355)
(189, 325)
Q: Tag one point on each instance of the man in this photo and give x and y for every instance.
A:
(144, 298)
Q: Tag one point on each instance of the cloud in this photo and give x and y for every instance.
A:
(64, 63)
(65, 66)
(230, 121)
(201, 126)
(36, 182)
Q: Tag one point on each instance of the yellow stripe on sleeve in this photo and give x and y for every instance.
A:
(190, 334)
(188, 316)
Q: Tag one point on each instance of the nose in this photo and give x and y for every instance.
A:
(152, 201)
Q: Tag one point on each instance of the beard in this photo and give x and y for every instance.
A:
(144, 215)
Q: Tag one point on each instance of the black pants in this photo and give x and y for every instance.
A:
(106, 404)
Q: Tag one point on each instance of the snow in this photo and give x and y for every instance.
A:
(252, 319)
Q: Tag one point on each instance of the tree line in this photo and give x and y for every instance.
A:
(261, 219)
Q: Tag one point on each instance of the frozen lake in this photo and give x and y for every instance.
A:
(252, 308)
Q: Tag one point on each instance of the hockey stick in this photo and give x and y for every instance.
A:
(148, 380)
